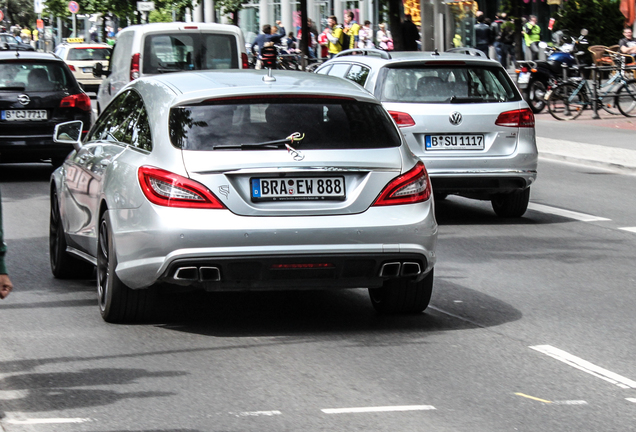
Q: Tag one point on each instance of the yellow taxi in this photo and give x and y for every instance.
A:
(81, 58)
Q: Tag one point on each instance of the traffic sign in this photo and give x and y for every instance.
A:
(145, 6)
(73, 7)
(39, 24)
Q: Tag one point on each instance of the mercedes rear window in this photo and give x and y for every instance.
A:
(448, 84)
(33, 76)
(317, 123)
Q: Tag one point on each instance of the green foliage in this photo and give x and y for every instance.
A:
(120, 8)
(21, 12)
(160, 15)
(602, 18)
(228, 7)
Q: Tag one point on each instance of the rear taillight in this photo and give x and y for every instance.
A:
(79, 100)
(134, 67)
(71, 67)
(523, 118)
(172, 190)
(402, 119)
(245, 61)
(409, 188)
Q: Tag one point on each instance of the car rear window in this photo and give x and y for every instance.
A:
(33, 76)
(78, 54)
(189, 51)
(451, 84)
(320, 123)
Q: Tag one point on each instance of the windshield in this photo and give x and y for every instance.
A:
(33, 76)
(329, 123)
(453, 84)
(165, 53)
(89, 54)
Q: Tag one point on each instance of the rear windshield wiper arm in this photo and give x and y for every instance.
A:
(455, 99)
(163, 69)
(286, 142)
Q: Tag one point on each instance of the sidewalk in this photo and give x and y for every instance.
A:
(607, 156)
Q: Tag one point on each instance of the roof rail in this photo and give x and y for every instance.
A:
(469, 51)
(365, 51)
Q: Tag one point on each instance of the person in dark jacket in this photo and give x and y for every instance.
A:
(410, 34)
(482, 35)
(5, 282)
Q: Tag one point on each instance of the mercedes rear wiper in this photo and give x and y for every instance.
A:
(12, 88)
(285, 142)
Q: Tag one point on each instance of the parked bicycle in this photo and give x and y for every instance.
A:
(568, 99)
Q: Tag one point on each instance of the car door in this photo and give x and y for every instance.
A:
(84, 181)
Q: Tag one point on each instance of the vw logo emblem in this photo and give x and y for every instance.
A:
(455, 118)
(24, 99)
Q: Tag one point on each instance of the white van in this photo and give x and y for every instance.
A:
(152, 49)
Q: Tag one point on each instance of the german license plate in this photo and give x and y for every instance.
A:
(298, 189)
(454, 142)
(23, 115)
(523, 78)
(87, 70)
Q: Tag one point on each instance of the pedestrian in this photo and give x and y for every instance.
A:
(495, 29)
(5, 283)
(351, 29)
(384, 38)
(323, 41)
(482, 34)
(264, 38)
(532, 36)
(279, 28)
(507, 39)
(410, 34)
(365, 36)
(335, 36)
(627, 45)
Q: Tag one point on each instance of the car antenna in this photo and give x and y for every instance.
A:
(436, 52)
(269, 78)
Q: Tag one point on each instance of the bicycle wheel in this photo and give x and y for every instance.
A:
(626, 99)
(567, 101)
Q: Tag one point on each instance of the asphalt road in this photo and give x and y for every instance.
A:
(530, 329)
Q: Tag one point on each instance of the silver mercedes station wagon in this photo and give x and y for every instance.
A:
(243, 180)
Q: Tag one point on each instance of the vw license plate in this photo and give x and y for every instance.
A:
(88, 70)
(21, 115)
(298, 189)
(454, 142)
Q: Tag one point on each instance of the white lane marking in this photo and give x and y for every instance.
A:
(570, 402)
(378, 409)
(631, 399)
(258, 413)
(13, 394)
(585, 366)
(565, 213)
(630, 229)
(47, 421)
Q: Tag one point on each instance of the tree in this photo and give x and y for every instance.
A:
(230, 8)
(602, 18)
(21, 12)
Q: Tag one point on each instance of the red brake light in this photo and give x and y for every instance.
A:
(134, 67)
(402, 119)
(79, 100)
(190, 28)
(245, 61)
(409, 188)
(71, 67)
(524, 69)
(516, 118)
(172, 190)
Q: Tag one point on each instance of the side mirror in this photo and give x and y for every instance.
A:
(69, 133)
(584, 32)
(99, 71)
(543, 45)
(5, 46)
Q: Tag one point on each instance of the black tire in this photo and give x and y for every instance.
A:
(511, 205)
(117, 302)
(403, 295)
(536, 96)
(567, 101)
(63, 264)
(626, 99)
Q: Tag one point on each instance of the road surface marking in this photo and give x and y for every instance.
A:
(585, 366)
(378, 409)
(565, 213)
(258, 413)
(630, 229)
(46, 421)
(533, 398)
(631, 399)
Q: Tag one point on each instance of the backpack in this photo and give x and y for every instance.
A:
(346, 41)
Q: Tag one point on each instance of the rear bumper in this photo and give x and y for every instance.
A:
(31, 148)
(487, 183)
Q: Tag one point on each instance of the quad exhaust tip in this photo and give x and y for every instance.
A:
(395, 269)
(195, 274)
